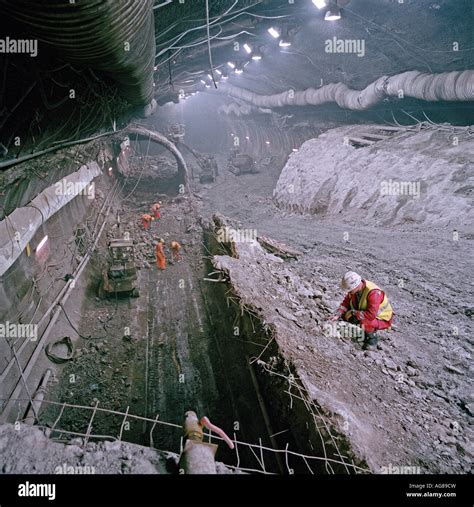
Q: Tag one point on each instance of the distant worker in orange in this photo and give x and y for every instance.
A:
(156, 209)
(147, 220)
(160, 254)
(175, 249)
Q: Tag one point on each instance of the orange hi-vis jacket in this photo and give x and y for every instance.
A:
(160, 256)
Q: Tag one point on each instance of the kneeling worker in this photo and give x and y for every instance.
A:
(146, 220)
(365, 305)
(175, 248)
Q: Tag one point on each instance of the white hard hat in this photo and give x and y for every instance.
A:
(350, 281)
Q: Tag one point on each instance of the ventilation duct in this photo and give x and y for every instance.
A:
(449, 86)
(20, 226)
(113, 36)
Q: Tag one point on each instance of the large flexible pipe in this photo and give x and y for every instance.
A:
(240, 110)
(449, 86)
(26, 220)
(114, 36)
(183, 173)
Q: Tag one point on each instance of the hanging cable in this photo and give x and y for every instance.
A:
(169, 73)
(209, 44)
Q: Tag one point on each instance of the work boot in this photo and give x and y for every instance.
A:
(371, 340)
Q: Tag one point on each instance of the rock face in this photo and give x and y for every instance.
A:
(385, 177)
(27, 450)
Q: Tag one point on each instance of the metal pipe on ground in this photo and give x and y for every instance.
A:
(38, 399)
(198, 457)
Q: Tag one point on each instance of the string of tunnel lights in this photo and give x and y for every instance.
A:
(254, 52)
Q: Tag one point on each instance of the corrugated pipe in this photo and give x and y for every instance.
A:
(183, 172)
(449, 86)
(240, 110)
(114, 36)
(21, 225)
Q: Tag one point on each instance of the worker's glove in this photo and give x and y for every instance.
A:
(349, 314)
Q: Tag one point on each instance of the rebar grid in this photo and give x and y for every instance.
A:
(257, 450)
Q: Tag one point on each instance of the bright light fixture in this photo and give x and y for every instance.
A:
(219, 72)
(319, 3)
(231, 65)
(256, 57)
(209, 76)
(273, 32)
(41, 243)
(267, 142)
(203, 82)
(247, 48)
(333, 14)
(238, 71)
(284, 43)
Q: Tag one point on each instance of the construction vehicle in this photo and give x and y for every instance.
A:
(241, 163)
(176, 132)
(208, 168)
(120, 277)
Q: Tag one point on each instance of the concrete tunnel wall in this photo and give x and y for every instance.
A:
(22, 304)
(22, 299)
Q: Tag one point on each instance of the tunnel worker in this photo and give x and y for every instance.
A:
(146, 220)
(175, 248)
(365, 305)
(160, 254)
(156, 210)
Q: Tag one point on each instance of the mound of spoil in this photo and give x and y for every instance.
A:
(382, 177)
